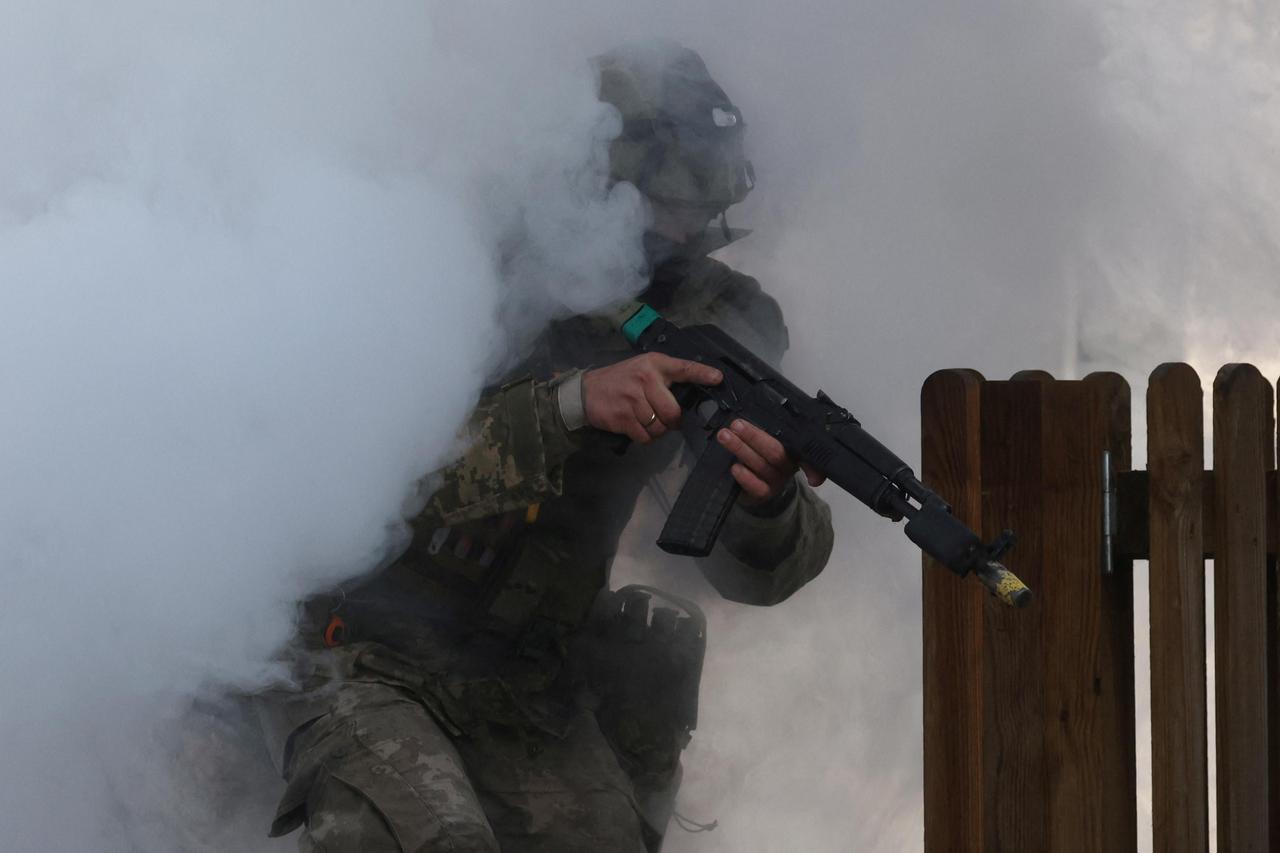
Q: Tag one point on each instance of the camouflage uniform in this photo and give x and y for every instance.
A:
(481, 700)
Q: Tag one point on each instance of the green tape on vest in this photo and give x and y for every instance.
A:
(641, 320)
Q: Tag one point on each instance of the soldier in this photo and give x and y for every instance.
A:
(486, 691)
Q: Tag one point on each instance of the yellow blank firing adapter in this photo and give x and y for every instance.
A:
(1004, 584)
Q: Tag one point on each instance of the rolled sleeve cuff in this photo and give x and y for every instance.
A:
(765, 523)
(777, 505)
(573, 414)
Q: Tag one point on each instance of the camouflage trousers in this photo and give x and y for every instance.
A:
(376, 774)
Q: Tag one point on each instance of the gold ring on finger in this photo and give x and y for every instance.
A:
(653, 417)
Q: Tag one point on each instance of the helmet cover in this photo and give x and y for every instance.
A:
(681, 140)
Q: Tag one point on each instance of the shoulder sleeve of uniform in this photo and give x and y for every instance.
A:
(744, 310)
(764, 559)
(516, 448)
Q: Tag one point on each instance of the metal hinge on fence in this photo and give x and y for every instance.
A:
(1110, 513)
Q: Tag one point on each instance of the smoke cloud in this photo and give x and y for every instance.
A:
(259, 259)
(253, 261)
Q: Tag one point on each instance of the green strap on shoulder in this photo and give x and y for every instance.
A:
(642, 318)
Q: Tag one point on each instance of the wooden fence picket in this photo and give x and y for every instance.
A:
(1273, 641)
(1114, 775)
(1014, 760)
(1084, 685)
(1243, 449)
(1179, 713)
(953, 691)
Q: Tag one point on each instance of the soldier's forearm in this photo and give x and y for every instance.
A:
(764, 559)
(517, 442)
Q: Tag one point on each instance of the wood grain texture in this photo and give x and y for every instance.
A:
(1113, 706)
(1014, 760)
(1244, 447)
(1273, 645)
(1059, 756)
(1132, 534)
(1179, 713)
(953, 606)
(1070, 610)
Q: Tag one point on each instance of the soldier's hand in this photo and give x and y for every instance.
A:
(633, 397)
(763, 467)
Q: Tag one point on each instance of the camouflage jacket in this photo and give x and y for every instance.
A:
(516, 538)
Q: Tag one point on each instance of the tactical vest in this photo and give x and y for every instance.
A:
(522, 583)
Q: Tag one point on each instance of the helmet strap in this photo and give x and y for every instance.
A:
(724, 225)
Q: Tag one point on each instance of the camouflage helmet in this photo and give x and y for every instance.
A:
(681, 140)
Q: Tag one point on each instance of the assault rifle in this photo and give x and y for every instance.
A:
(814, 430)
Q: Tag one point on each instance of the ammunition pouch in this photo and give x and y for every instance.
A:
(643, 667)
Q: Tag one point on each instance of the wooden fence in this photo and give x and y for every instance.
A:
(1029, 714)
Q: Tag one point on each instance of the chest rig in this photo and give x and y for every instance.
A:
(530, 576)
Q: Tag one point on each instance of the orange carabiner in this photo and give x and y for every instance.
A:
(335, 633)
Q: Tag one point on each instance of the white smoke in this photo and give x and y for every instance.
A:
(252, 259)
(1197, 86)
